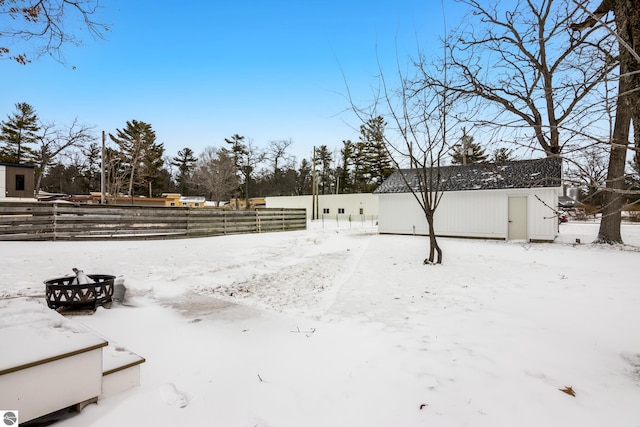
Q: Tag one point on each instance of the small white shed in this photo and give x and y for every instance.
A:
(514, 200)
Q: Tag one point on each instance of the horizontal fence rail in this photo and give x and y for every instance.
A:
(68, 221)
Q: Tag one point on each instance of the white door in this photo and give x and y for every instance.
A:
(517, 218)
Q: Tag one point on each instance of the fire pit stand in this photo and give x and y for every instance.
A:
(63, 293)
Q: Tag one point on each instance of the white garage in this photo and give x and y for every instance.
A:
(514, 200)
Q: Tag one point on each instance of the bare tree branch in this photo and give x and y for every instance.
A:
(41, 27)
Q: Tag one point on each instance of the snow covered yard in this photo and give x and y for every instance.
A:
(344, 327)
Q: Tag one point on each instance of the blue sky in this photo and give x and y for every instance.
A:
(201, 71)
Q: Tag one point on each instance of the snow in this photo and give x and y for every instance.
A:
(41, 333)
(344, 327)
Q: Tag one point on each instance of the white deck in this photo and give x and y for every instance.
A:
(50, 362)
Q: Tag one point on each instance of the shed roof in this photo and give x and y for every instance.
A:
(18, 165)
(546, 172)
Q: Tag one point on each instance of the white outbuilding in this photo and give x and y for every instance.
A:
(514, 200)
(353, 207)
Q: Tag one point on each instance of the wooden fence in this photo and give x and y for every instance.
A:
(68, 221)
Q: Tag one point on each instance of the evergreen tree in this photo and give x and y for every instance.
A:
(133, 142)
(303, 178)
(185, 161)
(380, 163)
(345, 175)
(63, 179)
(91, 166)
(151, 167)
(18, 133)
(467, 151)
(361, 168)
(323, 163)
(238, 152)
(501, 155)
(373, 163)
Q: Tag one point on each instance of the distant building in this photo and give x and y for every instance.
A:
(355, 206)
(176, 200)
(167, 200)
(254, 202)
(17, 180)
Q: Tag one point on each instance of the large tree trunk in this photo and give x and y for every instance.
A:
(609, 231)
(627, 18)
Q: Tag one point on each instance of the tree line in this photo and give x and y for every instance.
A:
(68, 160)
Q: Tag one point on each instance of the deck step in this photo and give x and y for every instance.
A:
(120, 369)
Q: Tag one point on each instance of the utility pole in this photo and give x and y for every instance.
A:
(102, 183)
(464, 146)
(313, 185)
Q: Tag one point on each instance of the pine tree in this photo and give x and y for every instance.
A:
(467, 152)
(373, 163)
(18, 133)
(323, 161)
(91, 167)
(133, 142)
(151, 176)
(303, 178)
(185, 161)
(381, 164)
(502, 154)
(345, 175)
(361, 168)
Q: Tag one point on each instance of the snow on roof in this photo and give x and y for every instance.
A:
(546, 172)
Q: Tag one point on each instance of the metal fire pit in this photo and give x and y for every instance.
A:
(62, 294)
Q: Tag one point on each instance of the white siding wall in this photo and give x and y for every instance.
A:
(290, 202)
(3, 182)
(351, 203)
(478, 213)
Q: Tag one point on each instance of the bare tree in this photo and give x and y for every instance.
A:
(45, 26)
(627, 21)
(215, 174)
(588, 171)
(55, 140)
(246, 157)
(418, 117)
(277, 155)
(116, 170)
(528, 70)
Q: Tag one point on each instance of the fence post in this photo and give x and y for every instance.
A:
(258, 222)
(54, 215)
(224, 222)
(188, 227)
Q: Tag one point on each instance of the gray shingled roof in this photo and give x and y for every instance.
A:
(546, 172)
